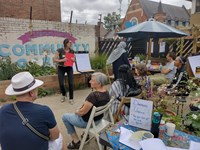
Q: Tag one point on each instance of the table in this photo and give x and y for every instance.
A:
(110, 138)
(153, 71)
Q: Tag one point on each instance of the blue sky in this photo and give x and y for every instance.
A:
(87, 11)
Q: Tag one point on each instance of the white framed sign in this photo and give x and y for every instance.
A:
(140, 113)
(194, 62)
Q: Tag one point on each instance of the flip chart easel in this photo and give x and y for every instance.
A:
(83, 62)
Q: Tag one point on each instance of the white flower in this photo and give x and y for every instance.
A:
(199, 106)
(194, 116)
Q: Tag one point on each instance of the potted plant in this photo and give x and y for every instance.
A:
(192, 122)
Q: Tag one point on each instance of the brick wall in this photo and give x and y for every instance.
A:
(40, 42)
(134, 10)
(41, 9)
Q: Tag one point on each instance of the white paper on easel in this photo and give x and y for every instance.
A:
(140, 113)
(83, 62)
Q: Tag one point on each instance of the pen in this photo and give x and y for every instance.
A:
(125, 118)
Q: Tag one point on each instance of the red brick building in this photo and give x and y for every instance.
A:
(141, 10)
(41, 9)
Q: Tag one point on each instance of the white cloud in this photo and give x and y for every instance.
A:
(89, 10)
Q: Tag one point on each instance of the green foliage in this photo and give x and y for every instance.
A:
(7, 68)
(141, 56)
(98, 62)
(45, 92)
(38, 70)
(13, 98)
(2, 100)
(193, 120)
(111, 21)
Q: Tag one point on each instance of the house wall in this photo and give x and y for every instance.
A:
(134, 10)
(41, 9)
(195, 19)
(40, 42)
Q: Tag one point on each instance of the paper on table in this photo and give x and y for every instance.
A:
(156, 144)
(125, 139)
(174, 148)
(153, 143)
(194, 145)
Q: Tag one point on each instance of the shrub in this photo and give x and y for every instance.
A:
(7, 68)
(98, 62)
(141, 56)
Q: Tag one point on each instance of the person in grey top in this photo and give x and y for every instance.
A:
(167, 73)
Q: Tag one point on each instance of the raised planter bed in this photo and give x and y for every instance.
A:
(50, 82)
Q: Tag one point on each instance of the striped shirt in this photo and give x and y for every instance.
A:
(116, 90)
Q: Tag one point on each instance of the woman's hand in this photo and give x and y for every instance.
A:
(73, 58)
(63, 60)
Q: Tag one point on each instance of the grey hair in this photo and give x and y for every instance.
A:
(100, 78)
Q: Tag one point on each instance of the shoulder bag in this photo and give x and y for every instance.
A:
(25, 122)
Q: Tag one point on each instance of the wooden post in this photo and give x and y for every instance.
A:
(149, 50)
(194, 33)
(181, 46)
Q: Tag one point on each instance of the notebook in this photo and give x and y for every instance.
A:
(69, 61)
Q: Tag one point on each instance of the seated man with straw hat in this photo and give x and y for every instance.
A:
(25, 125)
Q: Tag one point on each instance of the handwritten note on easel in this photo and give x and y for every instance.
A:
(140, 113)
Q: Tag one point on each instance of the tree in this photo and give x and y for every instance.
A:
(111, 21)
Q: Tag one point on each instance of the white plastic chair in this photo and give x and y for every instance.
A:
(94, 129)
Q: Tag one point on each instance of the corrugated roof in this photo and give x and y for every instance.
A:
(172, 12)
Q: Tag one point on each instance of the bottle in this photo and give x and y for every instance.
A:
(160, 67)
(155, 124)
(162, 127)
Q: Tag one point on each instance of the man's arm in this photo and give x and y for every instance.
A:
(54, 133)
(165, 70)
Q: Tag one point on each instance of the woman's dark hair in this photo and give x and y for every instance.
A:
(172, 55)
(182, 59)
(125, 77)
(65, 42)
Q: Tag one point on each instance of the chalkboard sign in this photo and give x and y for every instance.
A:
(140, 113)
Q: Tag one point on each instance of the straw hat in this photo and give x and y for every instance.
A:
(22, 83)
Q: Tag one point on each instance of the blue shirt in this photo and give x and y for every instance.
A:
(15, 136)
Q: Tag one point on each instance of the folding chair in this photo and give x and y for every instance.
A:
(124, 100)
(94, 129)
(110, 77)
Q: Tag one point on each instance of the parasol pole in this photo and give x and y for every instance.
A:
(149, 50)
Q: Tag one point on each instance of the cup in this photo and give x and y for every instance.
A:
(147, 135)
(170, 128)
